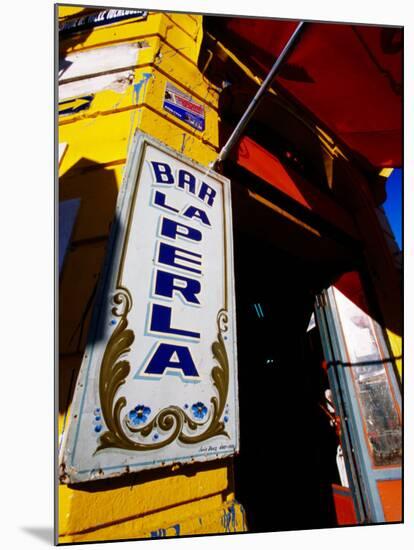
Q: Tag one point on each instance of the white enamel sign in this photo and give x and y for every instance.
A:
(158, 382)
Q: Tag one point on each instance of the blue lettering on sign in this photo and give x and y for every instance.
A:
(159, 199)
(162, 172)
(172, 229)
(161, 322)
(171, 357)
(207, 192)
(187, 180)
(171, 256)
(197, 213)
(166, 283)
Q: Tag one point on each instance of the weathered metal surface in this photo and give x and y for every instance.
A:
(158, 380)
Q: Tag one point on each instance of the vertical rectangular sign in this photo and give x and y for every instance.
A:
(158, 381)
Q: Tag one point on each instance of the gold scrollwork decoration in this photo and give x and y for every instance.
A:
(171, 420)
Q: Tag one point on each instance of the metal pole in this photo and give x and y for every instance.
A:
(235, 136)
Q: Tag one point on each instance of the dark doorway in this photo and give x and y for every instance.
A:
(287, 460)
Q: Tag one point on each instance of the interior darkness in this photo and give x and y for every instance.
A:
(287, 459)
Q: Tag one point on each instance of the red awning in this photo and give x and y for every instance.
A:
(260, 162)
(348, 76)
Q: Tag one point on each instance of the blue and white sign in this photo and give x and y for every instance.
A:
(158, 382)
(184, 107)
(98, 19)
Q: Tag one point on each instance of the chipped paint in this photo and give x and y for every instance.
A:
(138, 87)
(98, 61)
(91, 71)
(141, 85)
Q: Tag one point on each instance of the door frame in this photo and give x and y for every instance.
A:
(363, 477)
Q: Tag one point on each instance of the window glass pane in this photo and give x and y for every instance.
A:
(369, 371)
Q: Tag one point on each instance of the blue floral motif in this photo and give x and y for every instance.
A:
(139, 414)
(98, 428)
(199, 410)
(226, 419)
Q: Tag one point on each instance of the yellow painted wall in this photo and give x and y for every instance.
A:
(169, 502)
(396, 347)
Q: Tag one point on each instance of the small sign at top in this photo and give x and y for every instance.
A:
(98, 19)
(184, 107)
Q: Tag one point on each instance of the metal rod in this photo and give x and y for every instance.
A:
(235, 136)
